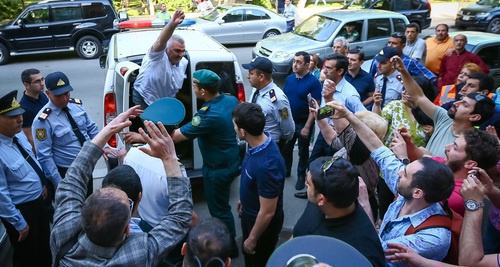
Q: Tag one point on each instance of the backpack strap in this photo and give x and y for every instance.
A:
(65, 248)
(434, 221)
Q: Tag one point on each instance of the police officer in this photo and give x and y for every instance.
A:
(388, 83)
(60, 129)
(213, 126)
(272, 100)
(22, 190)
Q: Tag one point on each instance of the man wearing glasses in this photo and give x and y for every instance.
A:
(33, 99)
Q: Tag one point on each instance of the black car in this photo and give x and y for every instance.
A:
(417, 11)
(484, 15)
(59, 26)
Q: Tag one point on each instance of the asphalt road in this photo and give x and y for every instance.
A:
(87, 79)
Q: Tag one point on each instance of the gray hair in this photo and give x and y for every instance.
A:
(176, 38)
(343, 40)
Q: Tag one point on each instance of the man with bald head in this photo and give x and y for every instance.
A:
(452, 65)
(96, 231)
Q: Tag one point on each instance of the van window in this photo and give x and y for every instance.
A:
(94, 10)
(399, 25)
(401, 5)
(379, 28)
(66, 13)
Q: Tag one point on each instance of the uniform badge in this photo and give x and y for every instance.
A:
(41, 134)
(196, 120)
(283, 113)
(272, 95)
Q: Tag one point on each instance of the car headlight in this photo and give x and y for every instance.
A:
(482, 15)
(281, 56)
(461, 12)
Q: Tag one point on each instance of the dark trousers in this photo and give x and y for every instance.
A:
(35, 249)
(90, 185)
(289, 25)
(266, 242)
(216, 187)
(320, 149)
(491, 238)
(303, 145)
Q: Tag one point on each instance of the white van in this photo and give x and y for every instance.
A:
(123, 60)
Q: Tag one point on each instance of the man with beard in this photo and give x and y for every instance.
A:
(472, 110)
(421, 185)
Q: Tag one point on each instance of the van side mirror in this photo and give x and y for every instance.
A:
(20, 22)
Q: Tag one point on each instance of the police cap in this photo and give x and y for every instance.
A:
(169, 111)
(58, 83)
(9, 105)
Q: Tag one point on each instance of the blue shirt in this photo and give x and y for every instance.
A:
(346, 94)
(279, 120)
(413, 66)
(363, 83)
(31, 107)
(394, 87)
(262, 175)
(297, 89)
(431, 243)
(19, 183)
(213, 126)
(55, 142)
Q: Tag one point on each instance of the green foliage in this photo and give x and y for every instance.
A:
(172, 5)
(10, 9)
(263, 3)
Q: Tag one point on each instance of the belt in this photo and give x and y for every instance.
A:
(38, 200)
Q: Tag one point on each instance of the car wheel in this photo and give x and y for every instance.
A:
(494, 26)
(89, 47)
(271, 33)
(4, 54)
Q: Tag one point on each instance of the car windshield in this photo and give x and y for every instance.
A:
(493, 3)
(317, 28)
(212, 16)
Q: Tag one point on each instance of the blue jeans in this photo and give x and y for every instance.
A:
(303, 146)
(289, 25)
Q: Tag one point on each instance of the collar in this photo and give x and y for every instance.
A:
(93, 249)
(266, 88)
(442, 42)
(418, 217)
(32, 99)
(6, 140)
(256, 149)
(55, 109)
(340, 85)
(214, 100)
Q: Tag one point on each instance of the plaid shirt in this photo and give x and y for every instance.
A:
(138, 249)
(413, 66)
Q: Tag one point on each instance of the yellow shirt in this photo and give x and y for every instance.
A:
(435, 52)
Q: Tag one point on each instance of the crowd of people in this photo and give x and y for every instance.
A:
(404, 168)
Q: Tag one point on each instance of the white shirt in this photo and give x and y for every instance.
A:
(158, 78)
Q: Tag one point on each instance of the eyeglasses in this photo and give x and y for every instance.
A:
(39, 81)
(130, 204)
(328, 164)
(479, 97)
(397, 34)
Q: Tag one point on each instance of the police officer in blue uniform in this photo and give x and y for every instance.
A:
(60, 129)
(213, 126)
(22, 191)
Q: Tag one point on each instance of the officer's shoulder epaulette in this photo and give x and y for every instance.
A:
(46, 112)
(75, 101)
(272, 95)
(398, 77)
(205, 108)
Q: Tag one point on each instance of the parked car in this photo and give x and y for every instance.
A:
(484, 15)
(241, 23)
(122, 65)
(84, 26)
(316, 35)
(418, 11)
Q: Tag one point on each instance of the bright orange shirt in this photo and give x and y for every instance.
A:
(435, 52)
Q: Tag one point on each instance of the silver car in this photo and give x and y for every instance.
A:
(241, 23)
(316, 35)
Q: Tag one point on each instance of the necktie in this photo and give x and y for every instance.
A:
(31, 161)
(77, 132)
(255, 95)
(384, 88)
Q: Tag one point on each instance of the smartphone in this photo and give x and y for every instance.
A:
(310, 100)
(325, 112)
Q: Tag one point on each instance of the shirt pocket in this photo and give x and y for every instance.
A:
(64, 135)
(20, 167)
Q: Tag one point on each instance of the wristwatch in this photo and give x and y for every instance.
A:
(405, 161)
(473, 205)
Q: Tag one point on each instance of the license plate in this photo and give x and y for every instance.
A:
(466, 18)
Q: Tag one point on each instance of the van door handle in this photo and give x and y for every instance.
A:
(43, 27)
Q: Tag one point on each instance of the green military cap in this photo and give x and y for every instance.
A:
(205, 77)
(169, 111)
